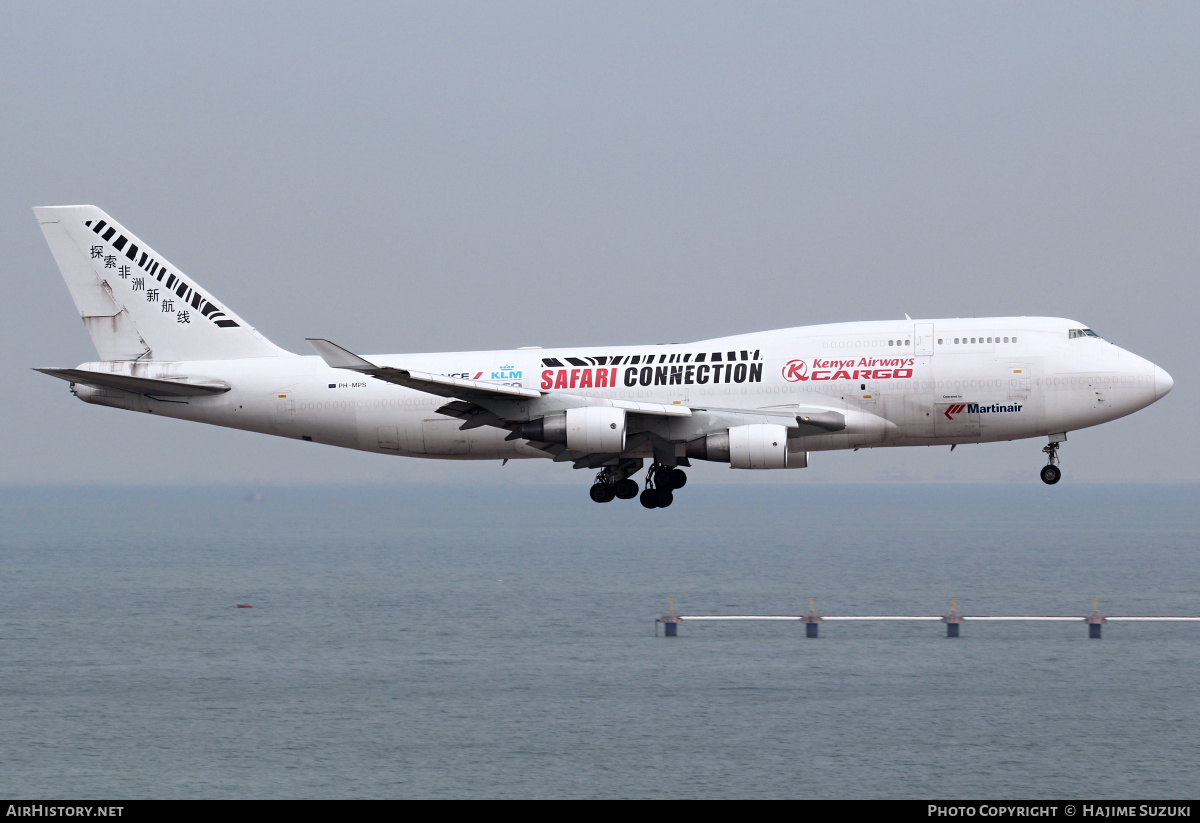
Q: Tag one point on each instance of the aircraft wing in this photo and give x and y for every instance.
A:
(338, 358)
(473, 390)
(138, 385)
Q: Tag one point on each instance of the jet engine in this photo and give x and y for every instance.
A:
(757, 446)
(590, 429)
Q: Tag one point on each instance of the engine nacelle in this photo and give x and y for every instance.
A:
(596, 429)
(590, 429)
(757, 446)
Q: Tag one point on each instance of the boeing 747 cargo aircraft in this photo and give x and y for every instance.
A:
(753, 401)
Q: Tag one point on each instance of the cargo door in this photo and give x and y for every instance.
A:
(389, 438)
(414, 432)
(284, 407)
(442, 436)
(868, 395)
(1017, 380)
(923, 339)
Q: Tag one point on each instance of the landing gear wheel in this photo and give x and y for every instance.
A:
(627, 489)
(665, 498)
(677, 478)
(649, 498)
(1051, 475)
(602, 492)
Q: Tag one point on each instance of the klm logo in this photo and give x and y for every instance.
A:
(506, 373)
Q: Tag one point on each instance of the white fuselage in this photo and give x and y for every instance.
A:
(901, 383)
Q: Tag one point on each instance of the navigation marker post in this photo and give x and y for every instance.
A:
(670, 620)
(953, 620)
(812, 621)
(1095, 621)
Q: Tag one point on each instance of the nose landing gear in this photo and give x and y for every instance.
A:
(1051, 473)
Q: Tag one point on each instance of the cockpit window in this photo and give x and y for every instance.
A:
(1073, 333)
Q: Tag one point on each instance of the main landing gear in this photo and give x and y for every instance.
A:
(615, 482)
(1051, 473)
(604, 490)
(661, 481)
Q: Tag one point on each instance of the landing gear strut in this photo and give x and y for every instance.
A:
(660, 482)
(1051, 473)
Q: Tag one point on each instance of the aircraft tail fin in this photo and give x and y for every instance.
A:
(135, 304)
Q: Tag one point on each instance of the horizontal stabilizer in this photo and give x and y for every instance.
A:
(138, 385)
(338, 358)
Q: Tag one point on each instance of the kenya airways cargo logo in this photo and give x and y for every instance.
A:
(794, 370)
(865, 368)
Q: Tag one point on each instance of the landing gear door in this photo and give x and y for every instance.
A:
(955, 420)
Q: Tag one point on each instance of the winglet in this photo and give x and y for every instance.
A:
(336, 357)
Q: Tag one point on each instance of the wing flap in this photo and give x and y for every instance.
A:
(815, 417)
(658, 409)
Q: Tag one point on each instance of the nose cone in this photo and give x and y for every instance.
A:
(1162, 383)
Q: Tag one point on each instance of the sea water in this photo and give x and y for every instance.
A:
(450, 642)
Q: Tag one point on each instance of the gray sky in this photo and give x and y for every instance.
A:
(426, 177)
